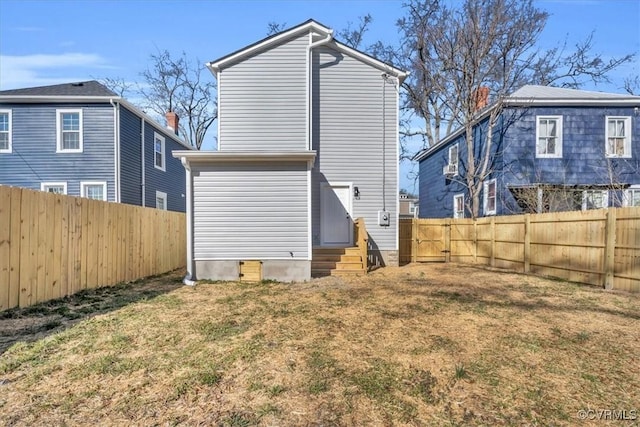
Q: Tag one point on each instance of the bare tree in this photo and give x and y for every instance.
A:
(177, 85)
(275, 27)
(352, 35)
(118, 85)
(457, 53)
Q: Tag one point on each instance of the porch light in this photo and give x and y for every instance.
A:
(356, 193)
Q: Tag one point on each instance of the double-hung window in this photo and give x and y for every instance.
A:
(549, 136)
(453, 160)
(96, 190)
(5, 131)
(161, 200)
(158, 151)
(458, 206)
(54, 187)
(595, 199)
(489, 192)
(69, 128)
(618, 142)
(632, 196)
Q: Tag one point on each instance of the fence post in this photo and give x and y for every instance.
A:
(610, 246)
(414, 239)
(493, 241)
(447, 240)
(527, 242)
(475, 241)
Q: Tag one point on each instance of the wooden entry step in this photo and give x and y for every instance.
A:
(337, 262)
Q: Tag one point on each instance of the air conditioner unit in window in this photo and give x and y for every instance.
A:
(450, 170)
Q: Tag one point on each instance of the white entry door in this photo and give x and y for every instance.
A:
(336, 225)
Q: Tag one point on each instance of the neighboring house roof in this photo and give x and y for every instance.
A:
(88, 91)
(534, 95)
(89, 88)
(307, 26)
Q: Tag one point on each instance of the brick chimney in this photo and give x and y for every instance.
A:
(481, 96)
(172, 121)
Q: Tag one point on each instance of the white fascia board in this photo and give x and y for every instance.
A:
(29, 99)
(245, 156)
(215, 66)
(369, 60)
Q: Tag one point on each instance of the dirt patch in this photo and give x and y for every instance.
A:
(431, 344)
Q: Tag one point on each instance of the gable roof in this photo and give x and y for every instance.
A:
(88, 91)
(536, 95)
(89, 88)
(303, 28)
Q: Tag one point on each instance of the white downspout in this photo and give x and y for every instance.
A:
(310, 85)
(143, 180)
(116, 149)
(188, 280)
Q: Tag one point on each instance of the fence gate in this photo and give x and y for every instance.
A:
(424, 240)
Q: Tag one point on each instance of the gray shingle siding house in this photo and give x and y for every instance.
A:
(554, 149)
(82, 139)
(308, 136)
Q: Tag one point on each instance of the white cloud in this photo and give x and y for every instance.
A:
(47, 69)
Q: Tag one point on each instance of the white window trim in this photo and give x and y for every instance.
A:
(43, 186)
(164, 152)
(84, 184)
(605, 198)
(59, 113)
(9, 149)
(457, 160)
(626, 199)
(457, 196)
(161, 195)
(485, 192)
(627, 139)
(558, 153)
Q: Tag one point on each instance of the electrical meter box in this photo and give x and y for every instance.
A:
(384, 218)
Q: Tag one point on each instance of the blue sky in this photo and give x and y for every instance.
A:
(49, 42)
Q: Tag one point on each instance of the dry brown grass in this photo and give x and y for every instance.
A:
(438, 344)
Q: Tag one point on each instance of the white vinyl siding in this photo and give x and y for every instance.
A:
(262, 100)
(618, 142)
(54, 187)
(96, 190)
(159, 152)
(250, 210)
(69, 131)
(490, 197)
(353, 142)
(549, 136)
(5, 131)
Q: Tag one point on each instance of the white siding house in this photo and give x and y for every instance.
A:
(308, 142)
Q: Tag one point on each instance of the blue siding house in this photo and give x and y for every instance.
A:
(82, 139)
(553, 149)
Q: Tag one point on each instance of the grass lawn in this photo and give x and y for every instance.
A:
(435, 344)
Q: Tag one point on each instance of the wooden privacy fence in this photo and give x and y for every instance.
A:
(600, 247)
(53, 245)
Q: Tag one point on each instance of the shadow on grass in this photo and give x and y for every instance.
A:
(38, 321)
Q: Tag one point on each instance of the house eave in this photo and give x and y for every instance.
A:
(31, 99)
(244, 156)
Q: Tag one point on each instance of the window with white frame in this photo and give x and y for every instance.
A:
(618, 137)
(458, 206)
(54, 187)
(632, 196)
(549, 136)
(96, 190)
(161, 200)
(5, 131)
(489, 193)
(69, 128)
(595, 199)
(158, 151)
(453, 159)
